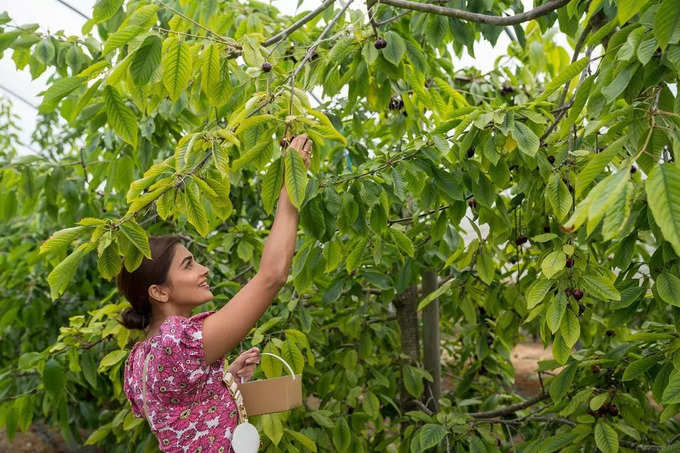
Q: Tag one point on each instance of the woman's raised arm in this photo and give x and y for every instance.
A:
(225, 329)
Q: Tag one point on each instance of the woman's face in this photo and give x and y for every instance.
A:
(187, 280)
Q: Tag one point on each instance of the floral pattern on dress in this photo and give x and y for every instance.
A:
(190, 408)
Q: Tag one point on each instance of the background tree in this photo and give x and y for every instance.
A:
(564, 165)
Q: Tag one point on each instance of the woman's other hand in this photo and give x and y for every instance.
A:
(244, 366)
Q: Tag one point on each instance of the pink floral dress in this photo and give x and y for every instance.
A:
(190, 409)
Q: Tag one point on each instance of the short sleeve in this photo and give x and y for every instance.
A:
(181, 353)
(130, 385)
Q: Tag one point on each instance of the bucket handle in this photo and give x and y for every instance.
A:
(290, 369)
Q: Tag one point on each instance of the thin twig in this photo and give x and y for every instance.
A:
(476, 17)
(310, 52)
(309, 16)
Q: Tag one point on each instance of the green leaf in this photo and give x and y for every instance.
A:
(146, 60)
(618, 213)
(60, 240)
(527, 141)
(606, 438)
(667, 23)
(211, 70)
(668, 288)
(599, 287)
(628, 8)
(63, 272)
(436, 293)
(596, 165)
(638, 368)
(570, 329)
(272, 427)
(57, 91)
(342, 436)
(292, 354)
(413, 380)
(430, 435)
(663, 195)
(54, 378)
(560, 383)
(121, 37)
(623, 78)
(486, 267)
(646, 49)
(99, 434)
(137, 237)
(371, 404)
(120, 117)
(111, 359)
(580, 98)
(558, 195)
(395, 48)
(45, 51)
(177, 66)
(555, 312)
(553, 263)
(306, 443)
(295, 175)
(104, 9)
(563, 77)
(537, 292)
(195, 210)
(402, 241)
(671, 394)
(560, 350)
(109, 262)
(271, 185)
(603, 196)
(597, 401)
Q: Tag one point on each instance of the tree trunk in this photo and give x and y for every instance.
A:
(407, 317)
(431, 343)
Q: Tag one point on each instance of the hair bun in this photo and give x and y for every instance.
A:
(132, 319)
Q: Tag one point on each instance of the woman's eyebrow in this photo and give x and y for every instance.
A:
(186, 258)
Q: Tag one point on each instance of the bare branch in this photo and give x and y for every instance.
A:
(512, 408)
(475, 17)
(309, 16)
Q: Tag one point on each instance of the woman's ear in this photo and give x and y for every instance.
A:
(159, 293)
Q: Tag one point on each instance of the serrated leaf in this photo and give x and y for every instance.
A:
(604, 195)
(342, 436)
(109, 262)
(195, 210)
(553, 263)
(526, 139)
(558, 196)
(251, 122)
(57, 91)
(60, 240)
(570, 329)
(121, 37)
(413, 380)
(54, 377)
(211, 70)
(563, 77)
(560, 384)
(295, 175)
(671, 394)
(620, 82)
(146, 60)
(638, 368)
(537, 292)
(596, 165)
(606, 438)
(618, 213)
(556, 309)
(137, 237)
(663, 195)
(667, 23)
(271, 185)
(485, 265)
(668, 288)
(599, 287)
(111, 359)
(63, 272)
(402, 241)
(292, 354)
(120, 117)
(396, 46)
(177, 66)
(430, 435)
(104, 9)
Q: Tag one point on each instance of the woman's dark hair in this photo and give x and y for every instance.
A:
(135, 285)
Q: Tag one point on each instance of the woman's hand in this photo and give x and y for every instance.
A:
(303, 145)
(244, 365)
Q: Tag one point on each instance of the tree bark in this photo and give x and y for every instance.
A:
(431, 342)
(407, 318)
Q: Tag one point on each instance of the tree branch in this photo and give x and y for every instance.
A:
(309, 16)
(512, 408)
(475, 17)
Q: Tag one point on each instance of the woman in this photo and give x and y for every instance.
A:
(188, 407)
